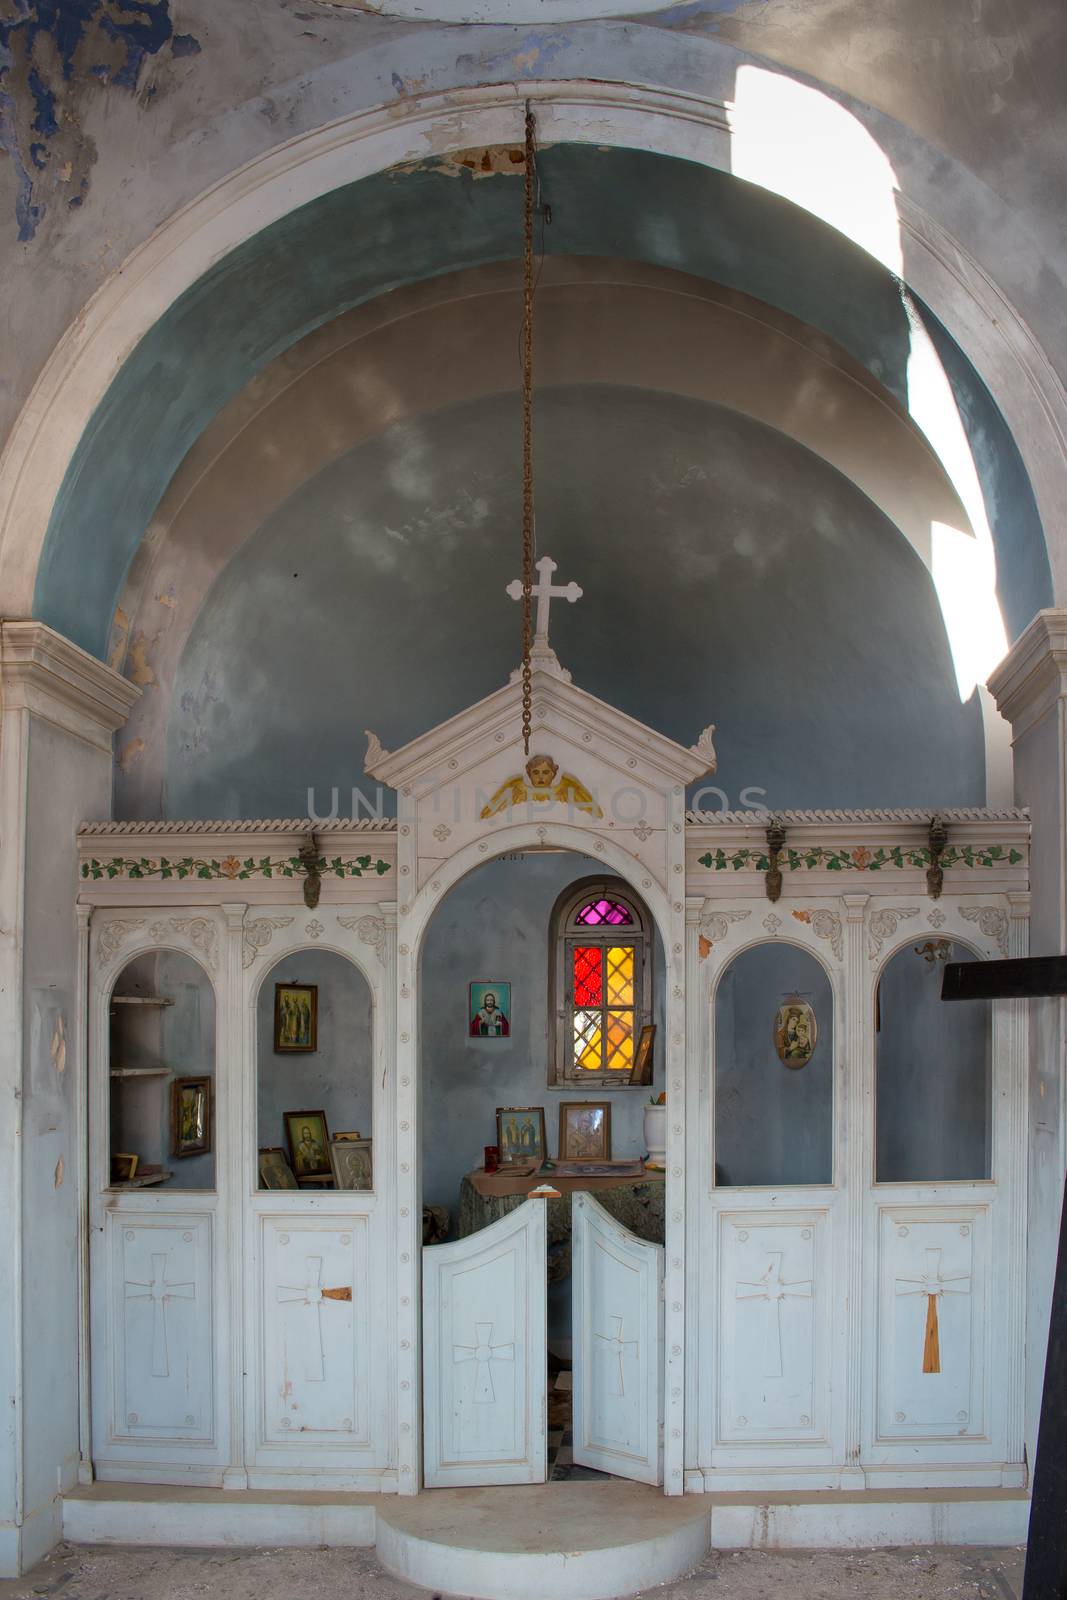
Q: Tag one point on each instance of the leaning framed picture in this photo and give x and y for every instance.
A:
(520, 1133)
(275, 1171)
(489, 1011)
(585, 1130)
(296, 1017)
(190, 1116)
(309, 1144)
(352, 1163)
(641, 1071)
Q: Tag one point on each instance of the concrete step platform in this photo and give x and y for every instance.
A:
(573, 1541)
(570, 1541)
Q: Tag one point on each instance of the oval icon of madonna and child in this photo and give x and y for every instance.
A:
(795, 1033)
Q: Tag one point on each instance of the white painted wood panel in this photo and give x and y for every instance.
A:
(617, 1326)
(315, 1295)
(932, 1277)
(485, 1354)
(774, 1287)
(159, 1328)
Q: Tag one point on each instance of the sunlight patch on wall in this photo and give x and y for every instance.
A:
(796, 141)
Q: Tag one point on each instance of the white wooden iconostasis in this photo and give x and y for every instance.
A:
(793, 1315)
(812, 1300)
(240, 1336)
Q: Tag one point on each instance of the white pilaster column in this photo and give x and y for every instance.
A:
(78, 1062)
(854, 1090)
(1030, 688)
(59, 709)
(701, 1252)
(235, 1088)
(677, 1179)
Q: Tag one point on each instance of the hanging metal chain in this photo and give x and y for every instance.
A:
(529, 180)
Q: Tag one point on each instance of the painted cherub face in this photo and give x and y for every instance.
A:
(541, 771)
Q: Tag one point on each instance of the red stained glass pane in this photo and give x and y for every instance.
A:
(604, 913)
(588, 975)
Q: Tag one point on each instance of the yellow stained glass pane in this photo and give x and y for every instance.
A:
(619, 1040)
(587, 1039)
(620, 975)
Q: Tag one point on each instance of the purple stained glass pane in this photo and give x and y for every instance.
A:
(604, 913)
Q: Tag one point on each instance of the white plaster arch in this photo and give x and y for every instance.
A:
(834, 970)
(147, 946)
(297, 947)
(415, 919)
(695, 128)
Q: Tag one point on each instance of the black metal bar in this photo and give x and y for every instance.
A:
(1045, 1577)
(1027, 978)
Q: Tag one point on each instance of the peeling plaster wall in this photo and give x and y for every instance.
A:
(979, 83)
(729, 576)
(295, 275)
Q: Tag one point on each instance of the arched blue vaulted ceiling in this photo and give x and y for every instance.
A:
(730, 576)
(397, 227)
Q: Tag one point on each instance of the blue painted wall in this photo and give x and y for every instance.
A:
(730, 576)
(394, 228)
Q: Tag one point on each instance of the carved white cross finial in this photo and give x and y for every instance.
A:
(159, 1291)
(615, 1344)
(312, 1295)
(483, 1352)
(545, 591)
(773, 1288)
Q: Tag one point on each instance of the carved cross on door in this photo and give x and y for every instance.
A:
(614, 1344)
(933, 1284)
(545, 591)
(484, 1352)
(773, 1288)
(159, 1291)
(312, 1295)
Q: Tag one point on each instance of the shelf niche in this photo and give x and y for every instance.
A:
(162, 1028)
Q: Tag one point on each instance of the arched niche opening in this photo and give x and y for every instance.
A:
(774, 1069)
(162, 1074)
(933, 1098)
(499, 927)
(314, 1074)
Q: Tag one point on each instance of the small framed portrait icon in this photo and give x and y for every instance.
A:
(489, 1012)
(352, 1163)
(795, 1033)
(275, 1171)
(520, 1133)
(309, 1144)
(296, 1017)
(190, 1116)
(585, 1130)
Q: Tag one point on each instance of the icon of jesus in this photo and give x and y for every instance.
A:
(489, 1021)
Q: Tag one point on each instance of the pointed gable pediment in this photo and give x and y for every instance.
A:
(591, 768)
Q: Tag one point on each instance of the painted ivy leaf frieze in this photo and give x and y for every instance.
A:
(859, 858)
(231, 868)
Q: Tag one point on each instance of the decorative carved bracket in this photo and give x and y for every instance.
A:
(775, 845)
(935, 872)
(311, 866)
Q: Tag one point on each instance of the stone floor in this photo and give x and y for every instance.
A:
(104, 1572)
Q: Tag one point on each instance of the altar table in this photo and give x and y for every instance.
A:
(637, 1202)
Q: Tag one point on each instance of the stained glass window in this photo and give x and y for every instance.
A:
(603, 912)
(603, 994)
(603, 982)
